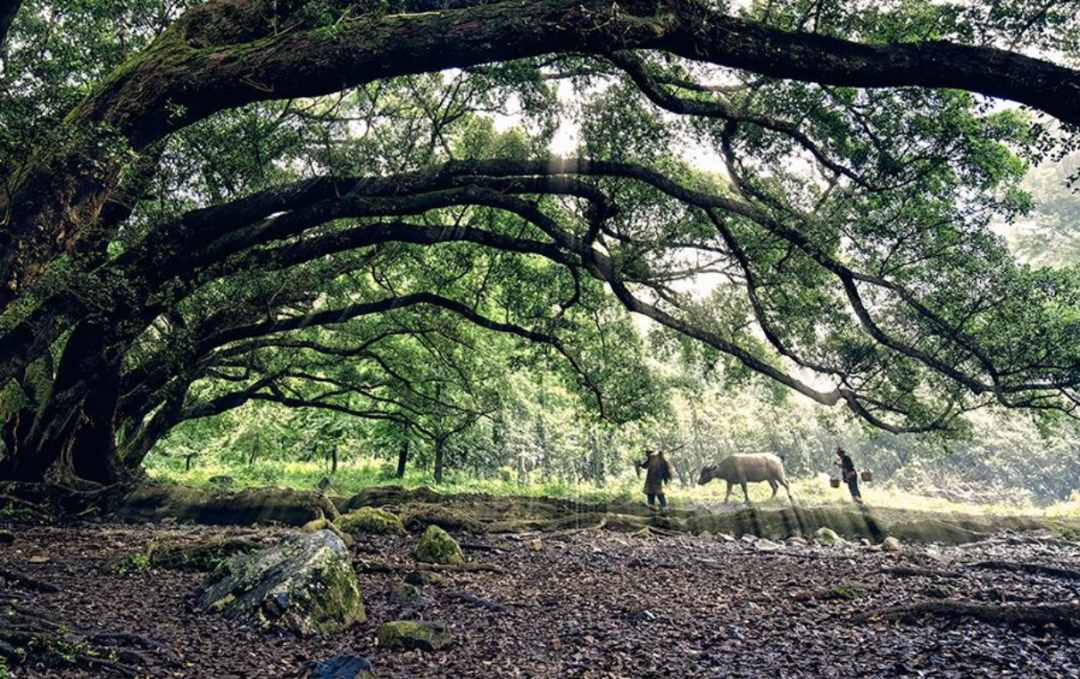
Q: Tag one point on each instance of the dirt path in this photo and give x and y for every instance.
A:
(591, 604)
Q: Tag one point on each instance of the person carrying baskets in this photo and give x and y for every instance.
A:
(848, 473)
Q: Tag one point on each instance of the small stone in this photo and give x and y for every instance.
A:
(436, 546)
(643, 616)
(535, 545)
(891, 544)
(39, 559)
(725, 537)
(409, 595)
(749, 538)
(341, 667)
(422, 578)
(764, 545)
(413, 635)
(796, 540)
(827, 536)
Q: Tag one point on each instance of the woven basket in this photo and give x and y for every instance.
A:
(867, 475)
(834, 482)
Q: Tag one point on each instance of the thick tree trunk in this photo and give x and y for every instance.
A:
(8, 10)
(73, 434)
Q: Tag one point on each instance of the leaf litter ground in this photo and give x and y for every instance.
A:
(583, 604)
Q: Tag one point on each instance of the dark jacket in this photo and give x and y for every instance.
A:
(657, 473)
(848, 467)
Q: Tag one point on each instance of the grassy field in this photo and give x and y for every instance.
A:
(354, 475)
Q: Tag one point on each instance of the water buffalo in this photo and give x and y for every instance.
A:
(740, 469)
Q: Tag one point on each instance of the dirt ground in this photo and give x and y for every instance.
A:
(585, 604)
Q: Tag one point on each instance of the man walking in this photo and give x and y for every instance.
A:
(657, 473)
(847, 471)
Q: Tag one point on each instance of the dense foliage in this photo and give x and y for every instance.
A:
(246, 204)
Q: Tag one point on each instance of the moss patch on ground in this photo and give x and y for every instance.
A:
(371, 521)
(412, 635)
(436, 546)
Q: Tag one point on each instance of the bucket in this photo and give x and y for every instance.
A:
(867, 475)
(834, 482)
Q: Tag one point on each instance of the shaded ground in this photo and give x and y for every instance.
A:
(586, 604)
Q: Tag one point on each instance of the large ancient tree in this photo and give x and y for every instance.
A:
(195, 193)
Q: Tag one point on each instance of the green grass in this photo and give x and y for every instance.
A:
(355, 475)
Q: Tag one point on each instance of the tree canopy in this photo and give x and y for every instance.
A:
(389, 209)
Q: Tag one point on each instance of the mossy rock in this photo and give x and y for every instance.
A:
(847, 592)
(371, 521)
(436, 546)
(827, 536)
(937, 530)
(200, 557)
(306, 584)
(405, 594)
(422, 578)
(340, 667)
(411, 635)
(327, 524)
(419, 515)
(380, 496)
(217, 507)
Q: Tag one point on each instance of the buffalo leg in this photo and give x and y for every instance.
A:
(786, 488)
(728, 496)
(745, 492)
(774, 486)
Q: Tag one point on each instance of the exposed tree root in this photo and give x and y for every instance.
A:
(473, 600)
(913, 571)
(28, 634)
(368, 566)
(25, 581)
(128, 638)
(1065, 616)
(20, 503)
(1029, 568)
(846, 592)
(650, 531)
(583, 529)
(476, 547)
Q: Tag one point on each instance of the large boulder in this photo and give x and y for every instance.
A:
(410, 635)
(305, 584)
(371, 521)
(436, 546)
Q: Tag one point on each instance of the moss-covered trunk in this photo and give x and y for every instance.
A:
(71, 437)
